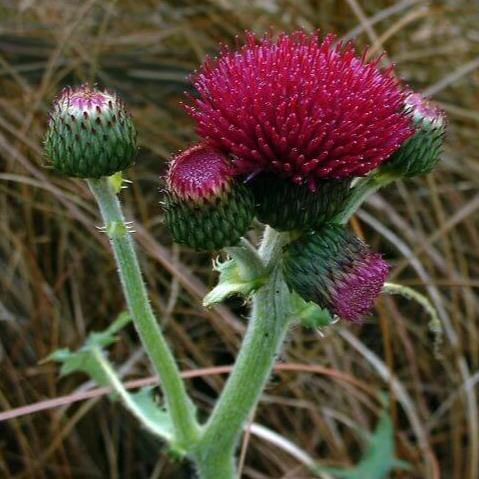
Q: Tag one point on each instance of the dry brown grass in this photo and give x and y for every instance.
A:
(57, 277)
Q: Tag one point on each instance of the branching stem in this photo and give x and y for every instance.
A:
(267, 327)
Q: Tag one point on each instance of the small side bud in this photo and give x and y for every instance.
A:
(205, 207)
(287, 206)
(336, 270)
(420, 153)
(90, 133)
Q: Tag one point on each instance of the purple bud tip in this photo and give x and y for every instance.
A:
(357, 292)
(84, 99)
(422, 109)
(199, 172)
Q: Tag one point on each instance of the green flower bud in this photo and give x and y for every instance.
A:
(336, 270)
(287, 206)
(90, 133)
(420, 153)
(205, 207)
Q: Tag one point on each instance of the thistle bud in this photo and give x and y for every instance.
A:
(90, 133)
(420, 153)
(287, 206)
(205, 207)
(336, 270)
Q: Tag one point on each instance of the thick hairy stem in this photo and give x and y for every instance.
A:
(177, 402)
(267, 328)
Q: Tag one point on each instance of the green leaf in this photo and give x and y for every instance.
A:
(378, 459)
(108, 336)
(230, 283)
(83, 360)
(146, 403)
(79, 361)
(309, 314)
(116, 181)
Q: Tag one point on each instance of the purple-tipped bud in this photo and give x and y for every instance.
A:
(90, 133)
(206, 208)
(336, 270)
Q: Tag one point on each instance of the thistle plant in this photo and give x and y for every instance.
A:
(294, 131)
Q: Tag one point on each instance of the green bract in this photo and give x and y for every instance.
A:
(90, 134)
(211, 223)
(286, 206)
(419, 154)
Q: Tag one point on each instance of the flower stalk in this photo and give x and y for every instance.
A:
(267, 328)
(177, 402)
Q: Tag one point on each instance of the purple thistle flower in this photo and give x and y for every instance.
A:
(300, 108)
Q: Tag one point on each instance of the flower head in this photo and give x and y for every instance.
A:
(336, 270)
(90, 133)
(200, 172)
(300, 108)
(206, 208)
(85, 99)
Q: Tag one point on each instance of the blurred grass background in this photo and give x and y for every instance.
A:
(57, 277)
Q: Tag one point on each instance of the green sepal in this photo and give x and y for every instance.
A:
(231, 283)
(286, 206)
(309, 314)
(210, 224)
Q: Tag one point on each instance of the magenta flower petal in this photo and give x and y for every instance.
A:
(356, 294)
(199, 172)
(304, 109)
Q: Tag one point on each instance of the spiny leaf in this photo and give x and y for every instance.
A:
(79, 361)
(83, 360)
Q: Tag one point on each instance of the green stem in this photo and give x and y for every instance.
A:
(126, 397)
(177, 402)
(435, 325)
(267, 328)
(359, 193)
(272, 245)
